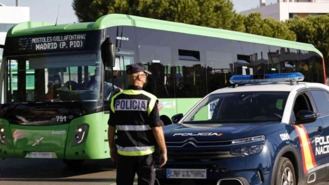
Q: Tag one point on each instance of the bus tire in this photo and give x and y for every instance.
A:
(285, 172)
(73, 163)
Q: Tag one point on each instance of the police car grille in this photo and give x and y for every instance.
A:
(188, 155)
(206, 149)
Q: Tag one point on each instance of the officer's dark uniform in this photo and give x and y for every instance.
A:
(133, 112)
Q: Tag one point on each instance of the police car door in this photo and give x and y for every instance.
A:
(307, 132)
(321, 141)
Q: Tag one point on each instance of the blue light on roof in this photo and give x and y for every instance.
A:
(267, 78)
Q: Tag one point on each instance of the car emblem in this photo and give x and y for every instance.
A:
(192, 143)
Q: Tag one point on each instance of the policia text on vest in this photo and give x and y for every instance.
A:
(136, 126)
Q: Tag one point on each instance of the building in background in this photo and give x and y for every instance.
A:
(9, 16)
(287, 9)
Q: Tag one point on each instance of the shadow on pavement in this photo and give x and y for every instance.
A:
(45, 169)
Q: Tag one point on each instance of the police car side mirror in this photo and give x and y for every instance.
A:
(177, 117)
(305, 116)
(166, 120)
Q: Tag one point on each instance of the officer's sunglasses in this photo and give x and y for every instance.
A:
(144, 74)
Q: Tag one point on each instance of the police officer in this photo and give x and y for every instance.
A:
(134, 120)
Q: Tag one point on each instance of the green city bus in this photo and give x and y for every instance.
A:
(56, 80)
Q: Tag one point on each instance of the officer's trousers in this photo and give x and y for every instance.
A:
(128, 166)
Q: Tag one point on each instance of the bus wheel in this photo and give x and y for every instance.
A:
(73, 163)
(285, 174)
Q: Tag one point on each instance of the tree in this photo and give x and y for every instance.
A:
(238, 23)
(216, 13)
(314, 30)
(89, 10)
(253, 24)
(302, 28)
(211, 13)
(267, 27)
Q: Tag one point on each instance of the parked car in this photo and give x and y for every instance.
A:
(272, 131)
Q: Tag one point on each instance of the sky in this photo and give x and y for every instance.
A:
(47, 10)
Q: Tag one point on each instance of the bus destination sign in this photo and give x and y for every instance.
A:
(52, 43)
(56, 42)
(59, 42)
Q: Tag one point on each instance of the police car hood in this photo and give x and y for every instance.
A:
(218, 132)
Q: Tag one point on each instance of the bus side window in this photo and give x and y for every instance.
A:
(158, 83)
(190, 81)
(119, 69)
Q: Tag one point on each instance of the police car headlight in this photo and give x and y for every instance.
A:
(2, 135)
(80, 134)
(248, 146)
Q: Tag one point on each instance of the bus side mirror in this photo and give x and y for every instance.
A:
(108, 52)
(177, 117)
(305, 116)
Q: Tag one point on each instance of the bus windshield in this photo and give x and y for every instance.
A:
(53, 78)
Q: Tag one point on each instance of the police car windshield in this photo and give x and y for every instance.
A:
(239, 107)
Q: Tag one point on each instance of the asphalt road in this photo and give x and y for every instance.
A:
(55, 172)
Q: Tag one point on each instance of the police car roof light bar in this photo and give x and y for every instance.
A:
(266, 78)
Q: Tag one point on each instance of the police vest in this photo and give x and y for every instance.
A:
(132, 113)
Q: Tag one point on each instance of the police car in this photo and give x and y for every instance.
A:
(272, 131)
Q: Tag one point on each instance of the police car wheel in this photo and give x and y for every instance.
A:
(285, 173)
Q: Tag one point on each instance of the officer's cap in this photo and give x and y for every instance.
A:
(135, 68)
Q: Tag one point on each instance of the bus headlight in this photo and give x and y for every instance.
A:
(80, 134)
(249, 146)
(2, 136)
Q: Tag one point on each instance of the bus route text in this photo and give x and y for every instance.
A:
(74, 41)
